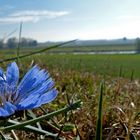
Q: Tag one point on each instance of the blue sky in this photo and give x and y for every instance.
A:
(55, 20)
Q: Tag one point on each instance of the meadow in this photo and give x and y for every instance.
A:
(80, 77)
(71, 49)
(102, 64)
(109, 65)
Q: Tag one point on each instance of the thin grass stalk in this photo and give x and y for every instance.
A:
(47, 116)
(37, 52)
(14, 135)
(9, 34)
(34, 116)
(2, 136)
(19, 42)
(99, 118)
(38, 124)
(30, 128)
(132, 75)
(120, 71)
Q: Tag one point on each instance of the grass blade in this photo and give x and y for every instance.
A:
(99, 119)
(31, 128)
(132, 136)
(47, 116)
(132, 75)
(19, 41)
(120, 71)
(137, 116)
(37, 52)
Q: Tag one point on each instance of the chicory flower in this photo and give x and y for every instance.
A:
(35, 89)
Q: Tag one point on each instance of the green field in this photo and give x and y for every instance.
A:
(72, 49)
(96, 64)
(79, 77)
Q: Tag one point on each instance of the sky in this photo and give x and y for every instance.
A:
(62, 20)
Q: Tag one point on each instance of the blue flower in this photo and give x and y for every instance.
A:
(34, 90)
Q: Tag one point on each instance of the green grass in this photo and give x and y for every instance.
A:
(96, 64)
(78, 77)
(74, 49)
(95, 48)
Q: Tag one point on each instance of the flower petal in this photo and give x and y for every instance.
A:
(28, 80)
(28, 103)
(1, 72)
(10, 108)
(43, 88)
(47, 98)
(32, 81)
(34, 101)
(3, 112)
(7, 110)
(2, 75)
(12, 74)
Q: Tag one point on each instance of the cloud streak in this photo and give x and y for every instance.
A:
(31, 16)
(12, 20)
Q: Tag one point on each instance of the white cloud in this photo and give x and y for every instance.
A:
(31, 16)
(48, 14)
(18, 19)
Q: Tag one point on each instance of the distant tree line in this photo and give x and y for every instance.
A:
(13, 42)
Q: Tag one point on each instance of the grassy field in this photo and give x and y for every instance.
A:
(75, 49)
(79, 77)
(97, 64)
(111, 65)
